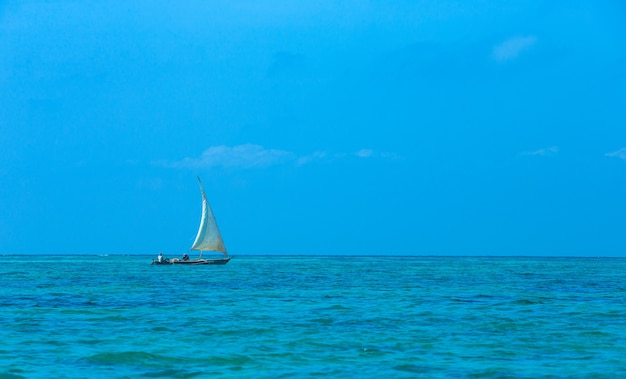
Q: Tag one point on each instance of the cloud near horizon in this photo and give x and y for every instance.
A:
(256, 156)
(621, 153)
(245, 156)
(512, 47)
(552, 150)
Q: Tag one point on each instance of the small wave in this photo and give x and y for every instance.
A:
(371, 352)
(323, 320)
(11, 273)
(233, 361)
(483, 296)
(172, 374)
(335, 307)
(413, 368)
(526, 302)
(118, 318)
(11, 376)
(126, 358)
(459, 300)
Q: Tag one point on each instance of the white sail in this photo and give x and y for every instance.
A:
(208, 237)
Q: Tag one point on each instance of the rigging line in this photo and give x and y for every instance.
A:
(184, 247)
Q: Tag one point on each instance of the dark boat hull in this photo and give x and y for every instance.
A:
(221, 261)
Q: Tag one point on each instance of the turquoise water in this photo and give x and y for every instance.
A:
(365, 317)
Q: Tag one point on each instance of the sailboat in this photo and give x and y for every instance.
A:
(207, 239)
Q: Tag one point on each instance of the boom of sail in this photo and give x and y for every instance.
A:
(208, 237)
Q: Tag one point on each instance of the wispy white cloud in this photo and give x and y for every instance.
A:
(621, 153)
(245, 156)
(311, 157)
(512, 47)
(542, 152)
(364, 153)
(256, 156)
(369, 153)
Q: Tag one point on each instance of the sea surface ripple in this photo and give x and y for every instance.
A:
(313, 316)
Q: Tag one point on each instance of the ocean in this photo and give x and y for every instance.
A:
(313, 316)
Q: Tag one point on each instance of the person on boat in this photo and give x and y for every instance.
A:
(160, 258)
(185, 257)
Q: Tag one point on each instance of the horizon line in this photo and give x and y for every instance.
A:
(320, 255)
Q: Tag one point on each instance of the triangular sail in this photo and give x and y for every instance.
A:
(208, 237)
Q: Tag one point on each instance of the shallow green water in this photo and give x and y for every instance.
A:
(120, 317)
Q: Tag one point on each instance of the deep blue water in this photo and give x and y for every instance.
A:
(365, 317)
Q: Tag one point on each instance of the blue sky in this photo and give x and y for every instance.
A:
(326, 127)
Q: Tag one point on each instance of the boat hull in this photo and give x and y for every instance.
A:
(221, 261)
